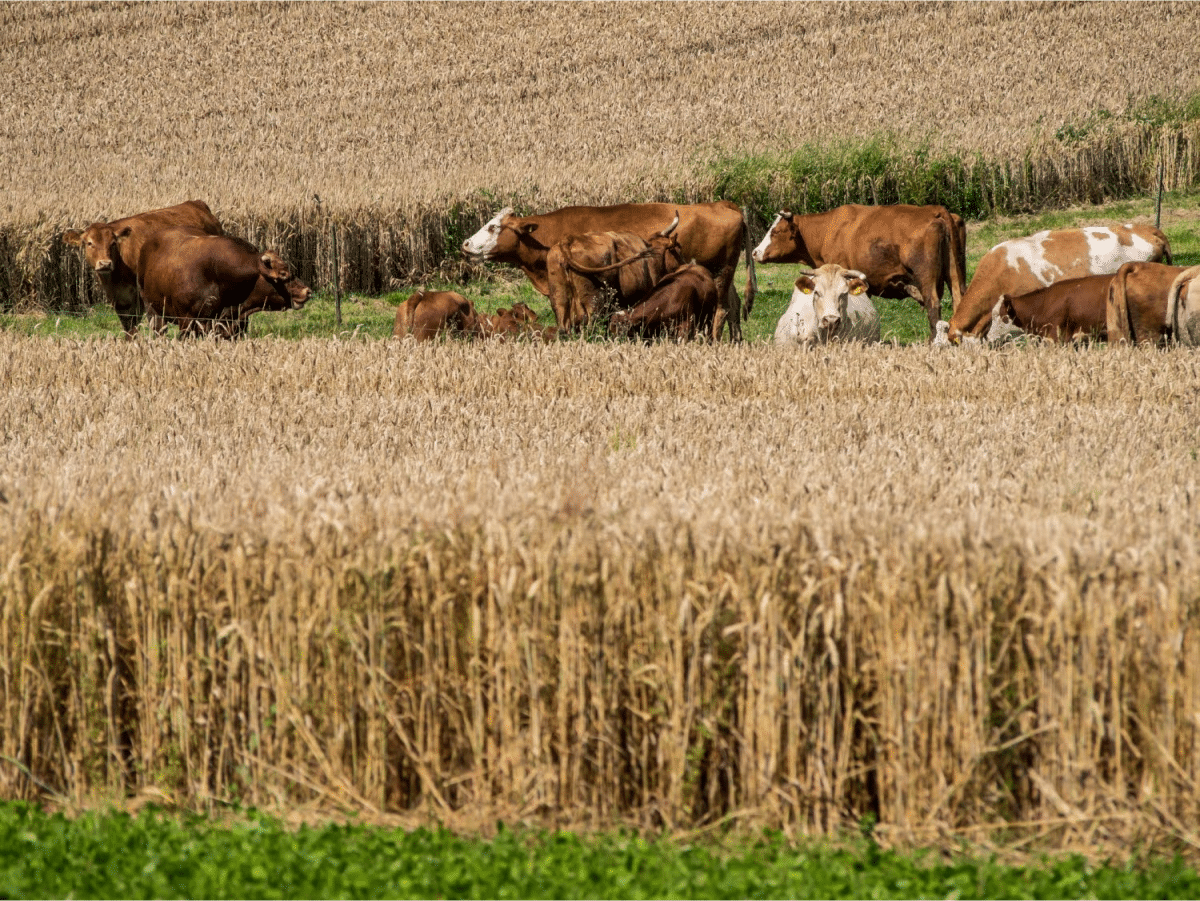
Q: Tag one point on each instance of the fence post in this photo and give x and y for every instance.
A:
(337, 270)
(1158, 204)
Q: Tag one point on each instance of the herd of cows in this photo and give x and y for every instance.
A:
(661, 270)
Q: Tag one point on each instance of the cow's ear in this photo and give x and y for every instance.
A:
(73, 236)
(858, 286)
(274, 267)
(124, 232)
(806, 284)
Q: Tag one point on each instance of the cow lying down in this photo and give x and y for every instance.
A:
(829, 304)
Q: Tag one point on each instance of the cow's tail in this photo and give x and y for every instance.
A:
(1166, 245)
(957, 261)
(1173, 330)
(1118, 322)
(751, 278)
(573, 264)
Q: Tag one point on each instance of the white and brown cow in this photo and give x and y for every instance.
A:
(1026, 264)
(829, 304)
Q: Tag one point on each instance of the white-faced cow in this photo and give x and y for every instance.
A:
(829, 304)
(116, 263)
(1027, 264)
(212, 283)
(1183, 308)
(683, 303)
(902, 250)
(1138, 303)
(581, 269)
(712, 234)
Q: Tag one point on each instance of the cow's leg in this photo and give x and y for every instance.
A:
(927, 296)
(730, 310)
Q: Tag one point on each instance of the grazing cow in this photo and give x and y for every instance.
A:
(212, 283)
(1183, 308)
(580, 269)
(829, 304)
(116, 263)
(1027, 264)
(1069, 310)
(1137, 302)
(903, 251)
(427, 314)
(711, 234)
(683, 302)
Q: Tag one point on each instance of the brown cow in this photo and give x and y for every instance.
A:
(683, 302)
(116, 263)
(1027, 264)
(902, 250)
(1137, 302)
(1183, 308)
(711, 234)
(212, 283)
(1069, 310)
(427, 314)
(519, 322)
(582, 268)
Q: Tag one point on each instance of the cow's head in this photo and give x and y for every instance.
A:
(99, 243)
(278, 287)
(821, 300)
(783, 241)
(499, 237)
(665, 246)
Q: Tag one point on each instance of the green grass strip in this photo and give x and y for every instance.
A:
(114, 855)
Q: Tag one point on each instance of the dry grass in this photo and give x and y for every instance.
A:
(412, 121)
(592, 584)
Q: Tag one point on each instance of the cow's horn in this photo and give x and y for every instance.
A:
(670, 228)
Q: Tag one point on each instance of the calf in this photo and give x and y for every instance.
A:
(581, 268)
(1027, 264)
(115, 263)
(829, 304)
(1073, 309)
(683, 302)
(1137, 302)
(212, 283)
(427, 314)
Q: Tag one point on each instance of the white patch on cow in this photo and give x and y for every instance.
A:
(483, 242)
(1002, 329)
(1106, 253)
(1032, 252)
(765, 242)
(941, 335)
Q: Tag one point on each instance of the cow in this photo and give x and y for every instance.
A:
(427, 314)
(1069, 310)
(711, 234)
(683, 302)
(1137, 302)
(208, 283)
(829, 304)
(582, 268)
(1183, 308)
(903, 250)
(115, 264)
(1026, 264)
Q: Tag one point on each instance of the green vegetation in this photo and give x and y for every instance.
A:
(885, 169)
(155, 855)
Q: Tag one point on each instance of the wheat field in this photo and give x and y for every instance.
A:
(413, 122)
(598, 584)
